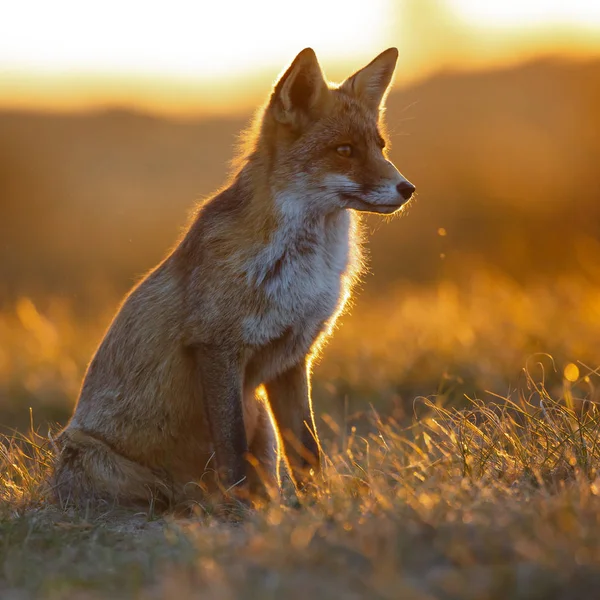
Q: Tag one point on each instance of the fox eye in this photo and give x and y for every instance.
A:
(344, 150)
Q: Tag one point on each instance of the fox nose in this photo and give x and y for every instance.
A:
(405, 189)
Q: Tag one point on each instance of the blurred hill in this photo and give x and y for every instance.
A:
(506, 162)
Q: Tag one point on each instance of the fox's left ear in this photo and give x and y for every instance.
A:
(371, 83)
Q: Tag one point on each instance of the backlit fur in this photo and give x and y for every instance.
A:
(243, 301)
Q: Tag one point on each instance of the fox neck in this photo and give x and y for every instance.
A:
(289, 227)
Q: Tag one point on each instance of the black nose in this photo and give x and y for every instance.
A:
(405, 189)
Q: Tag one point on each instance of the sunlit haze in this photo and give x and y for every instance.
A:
(185, 55)
(519, 13)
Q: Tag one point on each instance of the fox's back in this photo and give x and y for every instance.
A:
(139, 389)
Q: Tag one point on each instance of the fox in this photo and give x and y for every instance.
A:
(202, 383)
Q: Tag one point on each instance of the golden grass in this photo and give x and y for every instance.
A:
(483, 330)
(433, 496)
(446, 339)
(493, 501)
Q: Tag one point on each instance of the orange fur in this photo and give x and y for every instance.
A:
(169, 408)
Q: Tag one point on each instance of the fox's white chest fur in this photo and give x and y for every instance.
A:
(301, 272)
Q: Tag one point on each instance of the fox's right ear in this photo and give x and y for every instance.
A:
(299, 91)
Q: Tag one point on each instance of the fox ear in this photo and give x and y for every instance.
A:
(371, 83)
(299, 90)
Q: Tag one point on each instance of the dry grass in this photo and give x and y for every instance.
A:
(469, 337)
(494, 501)
(447, 339)
(482, 500)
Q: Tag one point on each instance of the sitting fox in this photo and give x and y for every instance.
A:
(203, 378)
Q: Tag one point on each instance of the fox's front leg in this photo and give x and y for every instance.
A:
(220, 373)
(290, 401)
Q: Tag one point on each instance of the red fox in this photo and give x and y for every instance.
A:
(206, 367)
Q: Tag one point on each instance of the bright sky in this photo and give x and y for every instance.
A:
(189, 38)
(198, 54)
(521, 13)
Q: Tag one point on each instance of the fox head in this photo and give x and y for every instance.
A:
(325, 145)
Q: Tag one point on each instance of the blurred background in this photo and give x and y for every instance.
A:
(115, 117)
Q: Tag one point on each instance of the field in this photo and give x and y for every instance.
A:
(457, 400)
(486, 487)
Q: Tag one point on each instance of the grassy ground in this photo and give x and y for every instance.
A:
(494, 501)
(438, 499)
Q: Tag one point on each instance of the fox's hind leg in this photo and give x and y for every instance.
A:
(89, 472)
